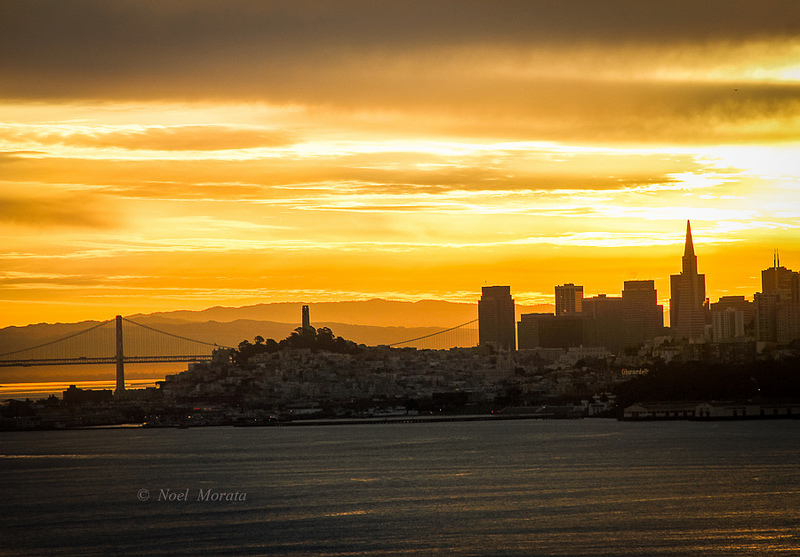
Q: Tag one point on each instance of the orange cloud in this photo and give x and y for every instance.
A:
(154, 154)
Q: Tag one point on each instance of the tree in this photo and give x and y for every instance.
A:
(246, 350)
(325, 339)
(307, 338)
(301, 337)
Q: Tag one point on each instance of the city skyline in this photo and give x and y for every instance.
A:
(158, 157)
(688, 261)
(776, 280)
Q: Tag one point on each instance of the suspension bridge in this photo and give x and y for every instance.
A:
(116, 341)
(121, 340)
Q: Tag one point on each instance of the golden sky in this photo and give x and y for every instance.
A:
(180, 155)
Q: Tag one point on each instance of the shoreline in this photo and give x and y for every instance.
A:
(402, 420)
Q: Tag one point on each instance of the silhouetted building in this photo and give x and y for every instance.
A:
(643, 318)
(545, 330)
(737, 303)
(497, 318)
(619, 322)
(778, 305)
(569, 299)
(687, 305)
(778, 279)
(727, 325)
(604, 322)
(306, 318)
(731, 319)
(767, 316)
(74, 395)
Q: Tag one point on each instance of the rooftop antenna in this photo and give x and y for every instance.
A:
(777, 258)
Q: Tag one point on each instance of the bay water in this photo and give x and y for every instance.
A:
(530, 487)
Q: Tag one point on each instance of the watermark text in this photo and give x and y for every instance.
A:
(187, 494)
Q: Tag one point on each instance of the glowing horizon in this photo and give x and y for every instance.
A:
(163, 157)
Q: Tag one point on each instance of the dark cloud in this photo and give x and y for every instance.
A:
(288, 49)
(556, 70)
(95, 31)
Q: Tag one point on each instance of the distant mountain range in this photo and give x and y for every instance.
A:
(375, 313)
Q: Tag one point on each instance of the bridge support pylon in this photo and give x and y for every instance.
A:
(120, 359)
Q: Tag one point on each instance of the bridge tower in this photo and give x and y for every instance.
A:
(120, 359)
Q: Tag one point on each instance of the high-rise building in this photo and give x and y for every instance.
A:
(569, 299)
(732, 319)
(687, 304)
(727, 325)
(788, 322)
(778, 279)
(778, 305)
(642, 317)
(767, 305)
(497, 318)
(604, 322)
(545, 330)
(306, 318)
(738, 303)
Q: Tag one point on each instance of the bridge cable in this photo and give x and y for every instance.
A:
(174, 335)
(434, 334)
(58, 340)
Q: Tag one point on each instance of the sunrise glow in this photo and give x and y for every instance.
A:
(183, 155)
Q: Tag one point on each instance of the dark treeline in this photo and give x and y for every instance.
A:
(760, 379)
(321, 339)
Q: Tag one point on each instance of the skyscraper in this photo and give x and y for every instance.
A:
(545, 330)
(767, 307)
(778, 279)
(497, 318)
(778, 305)
(732, 319)
(643, 318)
(687, 311)
(604, 324)
(569, 299)
(728, 325)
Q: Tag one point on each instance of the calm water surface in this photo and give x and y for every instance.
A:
(586, 487)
